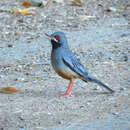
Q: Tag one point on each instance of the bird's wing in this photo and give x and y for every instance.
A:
(74, 64)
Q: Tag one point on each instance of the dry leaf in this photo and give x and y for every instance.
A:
(26, 3)
(8, 90)
(77, 3)
(23, 12)
(37, 3)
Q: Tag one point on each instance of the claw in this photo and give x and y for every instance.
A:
(68, 91)
(65, 95)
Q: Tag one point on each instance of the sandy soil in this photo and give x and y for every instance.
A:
(102, 44)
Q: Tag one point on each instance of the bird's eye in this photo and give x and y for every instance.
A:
(57, 37)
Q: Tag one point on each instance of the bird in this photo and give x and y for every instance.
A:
(67, 65)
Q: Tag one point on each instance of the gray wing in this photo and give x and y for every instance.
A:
(74, 64)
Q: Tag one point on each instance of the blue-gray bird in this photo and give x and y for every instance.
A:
(66, 64)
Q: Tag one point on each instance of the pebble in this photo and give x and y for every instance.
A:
(125, 58)
(111, 9)
(59, 1)
(21, 79)
(97, 88)
(88, 103)
(125, 15)
(22, 129)
(115, 113)
(2, 76)
(60, 122)
(21, 20)
(81, 107)
(122, 88)
(49, 113)
(10, 45)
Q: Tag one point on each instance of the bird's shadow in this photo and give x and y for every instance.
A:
(51, 94)
(93, 93)
(38, 93)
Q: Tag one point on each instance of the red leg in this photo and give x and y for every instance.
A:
(68, 91)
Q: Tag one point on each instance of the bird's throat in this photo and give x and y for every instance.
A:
(55, 44)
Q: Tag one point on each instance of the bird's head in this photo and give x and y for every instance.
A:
(58, 39)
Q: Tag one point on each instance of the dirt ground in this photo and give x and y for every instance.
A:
(99, 33)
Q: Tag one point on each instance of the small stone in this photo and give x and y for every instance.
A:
(21, 20)
(110, 58)
(10, 45)
(115, 113)
(97, 88)
(22, 128)
(111, 9)
(125, 58)
(123, 35)
(16, 79)
(58, 21)
(21, 118)
(21, 79)
(115, 105)
(27, 73)
(125, 15)
(2, 76)
(111, 25)
(60, 122)
(122, 88)
(58, 1)
(81, 106)
(49, 113)
(88, 103)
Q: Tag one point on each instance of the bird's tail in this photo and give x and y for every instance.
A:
(93, 79)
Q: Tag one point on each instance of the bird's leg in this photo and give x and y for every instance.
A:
(68, 91)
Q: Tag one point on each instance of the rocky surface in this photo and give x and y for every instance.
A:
(99, 33)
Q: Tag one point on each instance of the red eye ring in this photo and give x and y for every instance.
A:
(57, 37)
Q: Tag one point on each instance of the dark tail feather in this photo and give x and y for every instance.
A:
(93, 79)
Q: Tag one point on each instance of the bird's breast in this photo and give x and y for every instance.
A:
(60, 68)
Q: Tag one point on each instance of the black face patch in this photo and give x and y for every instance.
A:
(55, 43)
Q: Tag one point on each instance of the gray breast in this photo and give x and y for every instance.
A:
(58, 64)
(56, 60)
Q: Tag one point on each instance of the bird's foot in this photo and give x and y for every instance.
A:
(65, 95)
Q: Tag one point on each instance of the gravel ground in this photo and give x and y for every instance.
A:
(99, 33)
